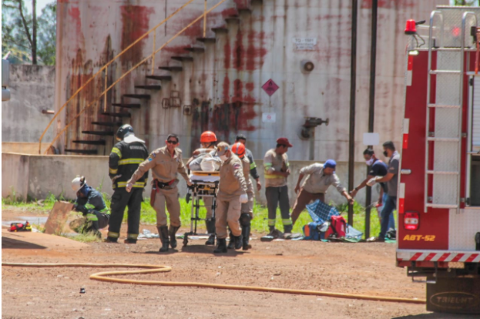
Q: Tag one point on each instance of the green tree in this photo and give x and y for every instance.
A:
(19, 32)
(467, 2)
(47, 27)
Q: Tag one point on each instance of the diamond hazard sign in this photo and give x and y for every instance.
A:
(270, 87)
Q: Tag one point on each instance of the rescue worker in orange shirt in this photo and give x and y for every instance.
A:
(232, 192)
(246, 211)
(208, 141)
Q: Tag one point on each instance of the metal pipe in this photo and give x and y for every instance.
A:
(353, 75)
(205, 20)
(103, 68)
(153, 54)
(371, 109)
(469, 142)
(105, 96)
(133, 68)
(462, 76)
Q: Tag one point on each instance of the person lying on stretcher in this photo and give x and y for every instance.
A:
(204, 159)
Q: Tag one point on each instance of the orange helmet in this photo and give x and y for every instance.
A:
(239, 149)
(208, 137)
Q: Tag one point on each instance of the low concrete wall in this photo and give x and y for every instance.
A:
(37, 176)
(24, 148)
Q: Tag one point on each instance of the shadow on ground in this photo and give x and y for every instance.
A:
(10, 243)
(437, 315)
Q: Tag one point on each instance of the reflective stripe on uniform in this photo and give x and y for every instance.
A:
(132, 236)
(253, 165)
(89, 206)
(268, 165)
(105, 211)
(131, 161)
(273, 176)
(113, 171)
(137, 184)
(113, 234)
(92, 217)
(117, 151)
(287, 221)
(271, 222)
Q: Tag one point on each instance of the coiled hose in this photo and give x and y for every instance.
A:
(151, 269)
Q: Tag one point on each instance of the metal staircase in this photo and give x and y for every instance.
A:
(108, 122)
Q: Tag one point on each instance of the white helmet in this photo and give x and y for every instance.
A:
(78, 182)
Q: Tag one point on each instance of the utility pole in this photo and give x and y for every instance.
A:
(353, 88)
(371, 108)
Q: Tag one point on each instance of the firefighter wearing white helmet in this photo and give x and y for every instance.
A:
(124, 160)
(91, 204)
(232, 193)
(204, 159)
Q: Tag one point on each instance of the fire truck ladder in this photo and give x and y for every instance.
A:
(445, 139)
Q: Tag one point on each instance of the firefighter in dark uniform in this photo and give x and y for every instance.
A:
(91, 204)
(124, 160)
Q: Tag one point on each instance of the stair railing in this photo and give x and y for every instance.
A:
(105, 68)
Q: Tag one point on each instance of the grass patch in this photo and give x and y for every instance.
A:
(259, 222)
(84, 238)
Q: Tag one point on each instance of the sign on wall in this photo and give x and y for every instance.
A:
(305, 44)
(270, 87)
(269, 118)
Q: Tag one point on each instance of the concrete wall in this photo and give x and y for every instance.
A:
(25, 148)
(32, 90)
(36, 176)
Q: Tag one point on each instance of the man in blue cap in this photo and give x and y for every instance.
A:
(320, 177)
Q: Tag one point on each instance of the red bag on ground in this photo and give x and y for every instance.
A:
(338, 227)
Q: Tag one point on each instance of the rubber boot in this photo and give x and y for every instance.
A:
(222, 246)
(163, 234)
(246, 237)
(173, 239)
(111, 240)
(271, 229)
(211, 230)
(238, 240)
(130, 241)
(287, 229)
(231, 243)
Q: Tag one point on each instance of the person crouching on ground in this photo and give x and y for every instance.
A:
(232, 192)
(91, 204)
(320, 177)
(164, 162)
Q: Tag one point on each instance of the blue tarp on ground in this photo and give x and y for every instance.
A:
(321, 212)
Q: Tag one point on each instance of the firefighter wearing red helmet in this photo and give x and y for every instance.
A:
(232, 192)
(208, 141)
(246, 211)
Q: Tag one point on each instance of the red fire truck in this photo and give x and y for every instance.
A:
(439, 184)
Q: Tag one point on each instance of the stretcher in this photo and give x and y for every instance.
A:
(205, 185)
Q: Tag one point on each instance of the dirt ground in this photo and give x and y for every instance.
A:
(335, 267)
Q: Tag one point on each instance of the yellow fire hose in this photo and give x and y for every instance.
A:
(150, 269)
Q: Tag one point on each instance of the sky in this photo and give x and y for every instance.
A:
(40, 5)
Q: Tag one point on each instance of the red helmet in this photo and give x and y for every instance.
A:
(208, 137)
(239, 149)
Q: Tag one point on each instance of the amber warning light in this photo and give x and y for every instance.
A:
(411, 220)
